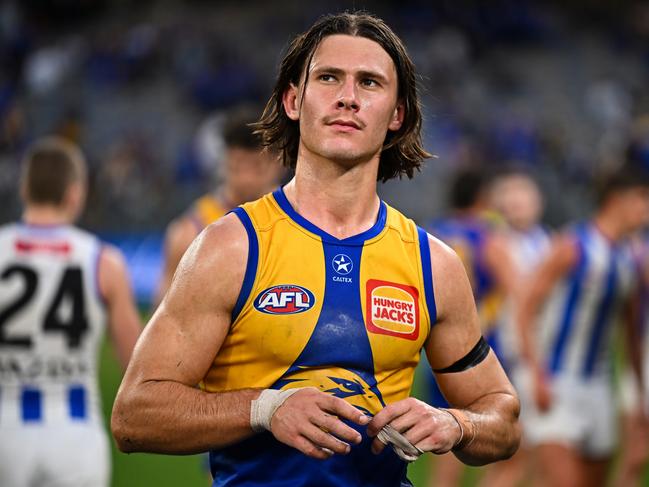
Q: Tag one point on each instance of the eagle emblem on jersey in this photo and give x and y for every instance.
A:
(339, 382)
(284, 299)
(392, 309)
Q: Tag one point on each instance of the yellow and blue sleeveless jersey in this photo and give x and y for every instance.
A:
(346, 316)
(206, 210)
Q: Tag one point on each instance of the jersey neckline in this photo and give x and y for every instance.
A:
(43, 227)
(358, 239)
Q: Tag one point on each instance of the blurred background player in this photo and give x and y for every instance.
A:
(634, 398)
(470, 231)
(59, 286)
(247, 172)
(585, 286)
(517, 198)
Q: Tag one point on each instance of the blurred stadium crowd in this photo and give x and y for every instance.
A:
(560, 88)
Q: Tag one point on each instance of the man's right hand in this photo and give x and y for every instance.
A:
(311, 421)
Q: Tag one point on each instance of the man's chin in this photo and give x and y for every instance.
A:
(347, 157)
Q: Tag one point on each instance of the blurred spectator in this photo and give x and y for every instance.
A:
(549, 85)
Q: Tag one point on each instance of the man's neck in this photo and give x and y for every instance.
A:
(341, 201)
(45, 215)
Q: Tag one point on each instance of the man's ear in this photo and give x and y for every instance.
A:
(397, 117)
(291, 102)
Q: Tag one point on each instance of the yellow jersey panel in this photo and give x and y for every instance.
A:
(347, 316)
(264, 341)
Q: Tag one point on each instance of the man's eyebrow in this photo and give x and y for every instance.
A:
(365, 73)
(328, 69)
(372, 74)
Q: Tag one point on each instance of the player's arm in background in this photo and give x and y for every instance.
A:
(178, 237)
(482, 426)
(123, 319)
(562, 258)
(499, 262)
(634, 340)
(158, 407)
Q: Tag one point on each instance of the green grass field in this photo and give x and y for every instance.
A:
(143, 470)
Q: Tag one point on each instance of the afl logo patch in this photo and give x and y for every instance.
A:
(392, 309)
(284, 299)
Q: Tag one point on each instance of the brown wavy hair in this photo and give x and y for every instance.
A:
(403, 151)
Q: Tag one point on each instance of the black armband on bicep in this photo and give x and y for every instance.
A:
(470, 360)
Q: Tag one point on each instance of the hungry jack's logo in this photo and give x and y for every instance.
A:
(392, 309)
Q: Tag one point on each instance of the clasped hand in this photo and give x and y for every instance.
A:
(312, 422)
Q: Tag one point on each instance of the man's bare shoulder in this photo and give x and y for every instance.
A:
(222, 241)
(451, 285)
(215, 263)
(111, 257)
(112, 270)
(443, 258)
(564, 252)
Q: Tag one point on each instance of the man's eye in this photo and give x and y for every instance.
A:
(370, 82)
(327, 77)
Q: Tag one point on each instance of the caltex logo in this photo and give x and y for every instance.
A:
(342, 264)
(284, 299)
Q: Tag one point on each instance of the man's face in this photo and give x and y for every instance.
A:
(250, 172)
(350, 101)
(519, 200)
(634, 207)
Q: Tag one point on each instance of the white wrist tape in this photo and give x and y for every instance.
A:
(263, 408)
(400, 444)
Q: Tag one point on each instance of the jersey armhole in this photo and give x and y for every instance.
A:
(427, 275)
(100, 250)
(251, 265)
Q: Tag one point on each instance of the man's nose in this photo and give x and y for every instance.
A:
(347, 98)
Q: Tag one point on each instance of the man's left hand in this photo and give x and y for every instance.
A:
(428, 428)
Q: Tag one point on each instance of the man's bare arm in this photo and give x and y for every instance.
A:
(123, 319)
(633, 337)
(159, 409)
(562, 257)
(483, 426)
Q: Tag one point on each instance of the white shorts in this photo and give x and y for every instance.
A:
(520, 378)
(583, 416)
(67, 455)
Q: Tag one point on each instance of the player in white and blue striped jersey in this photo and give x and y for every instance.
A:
(516, 196)
(59, 286)
(582, 289)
